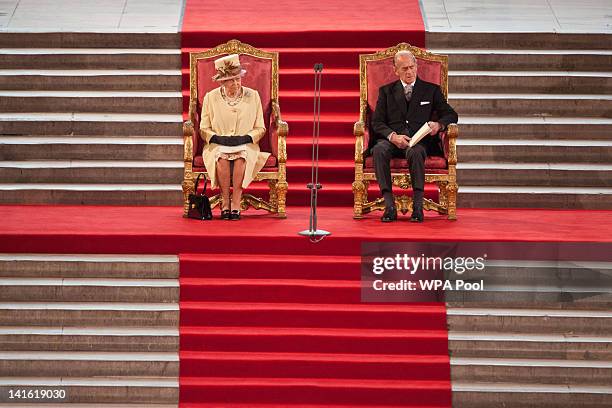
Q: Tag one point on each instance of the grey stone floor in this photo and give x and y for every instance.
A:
(91, 15)
(591, 16)
(562, 16)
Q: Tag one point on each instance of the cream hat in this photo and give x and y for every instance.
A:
(228, 67)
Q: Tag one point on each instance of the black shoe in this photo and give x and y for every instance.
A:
(235, 215)
(226, 214)
(390, 215)
(417, 216)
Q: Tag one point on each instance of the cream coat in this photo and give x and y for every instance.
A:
(246, 118)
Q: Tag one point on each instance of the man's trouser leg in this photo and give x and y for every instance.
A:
(382, 153)
(416, 156)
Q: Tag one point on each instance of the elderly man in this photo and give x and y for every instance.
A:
(402, 108)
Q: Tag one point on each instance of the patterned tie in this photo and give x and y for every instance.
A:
(408, 92)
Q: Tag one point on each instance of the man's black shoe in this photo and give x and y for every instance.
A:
(417, 216)
(390, 215)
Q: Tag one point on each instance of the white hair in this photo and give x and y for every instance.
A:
(403, 53)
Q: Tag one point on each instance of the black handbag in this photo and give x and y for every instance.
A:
(199, 204)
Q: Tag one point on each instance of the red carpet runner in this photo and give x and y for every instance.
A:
(287, 330)
(290, 331)
(333, 33)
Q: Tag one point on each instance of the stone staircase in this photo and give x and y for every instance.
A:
(535, 115)
(517, 346)
(95, 118)
(102, 328)
(90, 119)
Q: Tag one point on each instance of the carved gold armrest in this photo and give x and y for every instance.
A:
(282, 129)
(452, 133)
(188, 133)
(359, 132)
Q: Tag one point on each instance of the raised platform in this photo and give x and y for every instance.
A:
(162, 230)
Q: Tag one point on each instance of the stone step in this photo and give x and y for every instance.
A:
(506, 104)
(109, 339)
(590, 198)
(91, 124)
(518, 40)
(534, 174)
(90, 80)
(92, 171)
(91, 101)
(530, 345)
(90, 58)
(89, 266)
(533, 151)
(573, 275)
(92, 148)
(89, 314)
(525, 395)
(569, 322)
(118, 390)
(525, 298)
(548, 82)
(565, 105)
(89, 289)
(534, 127)
(90, 40)
(561, 285)
(526, 59)
(467, 81)
(88, 364)
(469, 196)
(92, 194)
(531, 371)
(110, 405)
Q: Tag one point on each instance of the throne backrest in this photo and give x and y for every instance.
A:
(262, 75)
(376, 70)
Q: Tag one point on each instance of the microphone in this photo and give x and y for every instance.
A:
(315, 234)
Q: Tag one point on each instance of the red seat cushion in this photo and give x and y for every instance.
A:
(433, 164)
(198, 161)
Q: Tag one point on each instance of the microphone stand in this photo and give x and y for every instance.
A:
(312, 232)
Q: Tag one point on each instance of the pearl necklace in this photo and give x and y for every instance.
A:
(232, 101)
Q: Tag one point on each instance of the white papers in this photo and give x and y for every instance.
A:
(420, 134)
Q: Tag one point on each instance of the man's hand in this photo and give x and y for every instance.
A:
(401, 141)
(435, 127)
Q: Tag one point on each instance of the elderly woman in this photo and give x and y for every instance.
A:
(232, 124)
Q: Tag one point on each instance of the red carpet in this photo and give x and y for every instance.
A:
(298, 23)
(333, 33)
(162, 230)
(278, 322)
(289, 330)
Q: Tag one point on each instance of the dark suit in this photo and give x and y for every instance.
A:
(394, 114)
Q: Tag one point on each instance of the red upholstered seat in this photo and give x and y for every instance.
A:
(433, 164)
(262, 75)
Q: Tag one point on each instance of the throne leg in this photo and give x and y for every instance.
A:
(273, 193)
(443, 194)
(359, 197)
(188, 188)
(451, 190)
(281, 196)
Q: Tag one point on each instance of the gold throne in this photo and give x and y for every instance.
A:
(376, 70)
(262, 75)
